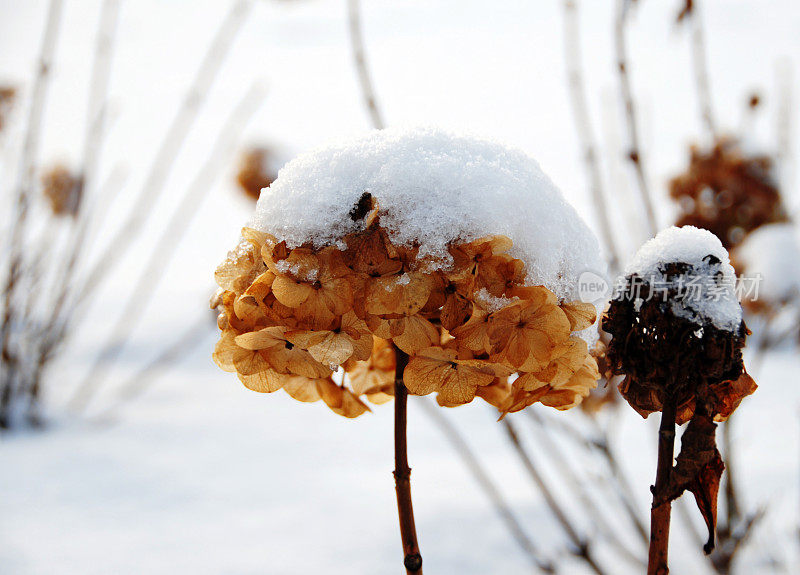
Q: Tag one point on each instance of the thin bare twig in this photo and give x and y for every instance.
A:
(170, 147)
(600, 442)
(25, 184)
(546, 443)
(93, 145)
(581, 547)
(583, 125)
(724, 556)
(79, 295)
(360, 59)
(784, 119)
(140, 381)
(154, 269)
(477, 471)
(635, 148)
(701, 75)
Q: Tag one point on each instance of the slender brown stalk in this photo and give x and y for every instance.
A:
(501, 506)
(168, 243)
(25, 184)
(732, 507)
(582, 549)
(784, 125)
(171, 145)
(624, 488)
(186, 342)
(546, 443)
(701, 75)
(658, 560)
(635, 148)
(360, 59)
(600, 443)
(412, 560)
(92, 147)
(583, 125)
(66, 262)
(726, 552)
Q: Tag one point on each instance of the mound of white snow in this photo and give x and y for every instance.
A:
(433, 188)
(708, 289)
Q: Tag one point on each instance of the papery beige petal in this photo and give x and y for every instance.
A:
(580, 315)
(266, 381)
(289, 292)
(418, 334)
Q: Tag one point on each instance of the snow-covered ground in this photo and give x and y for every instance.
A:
(200, 475)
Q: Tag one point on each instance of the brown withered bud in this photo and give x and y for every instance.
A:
(677, 337)
(63, 190)
(727, 192)
(256, 171)
(662, 353)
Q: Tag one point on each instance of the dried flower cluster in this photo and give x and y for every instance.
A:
(291, 317)
(662, 353)
(7, 96)
(727, 192)
(63, 190)
(254, 174)
(692, 370)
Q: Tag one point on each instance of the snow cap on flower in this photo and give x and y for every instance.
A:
(676, 327)
(433, 189)
(382, 247)
(695, 262)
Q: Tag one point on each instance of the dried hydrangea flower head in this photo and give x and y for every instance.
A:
(728, 192)
(256, 171)
(457, 252)
(677, 336)
(63, 190)
(676, 324)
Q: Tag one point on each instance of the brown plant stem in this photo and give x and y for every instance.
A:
(701, 76)
(148, 280)
(583, 125)
(412, 560)
(784, 125)
(66, 261)
(186, 342)
(501, 506)
(170, 146)
(660, 514)
(582, 548)
(25, 184)
(635, 150)
(732, 508)
(603, 444)
(587, 502)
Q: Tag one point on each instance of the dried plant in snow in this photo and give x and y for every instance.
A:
(727, 192)
(63, 190)
(291, 317)
(677, 336)
(255, 171)
(356, 299)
